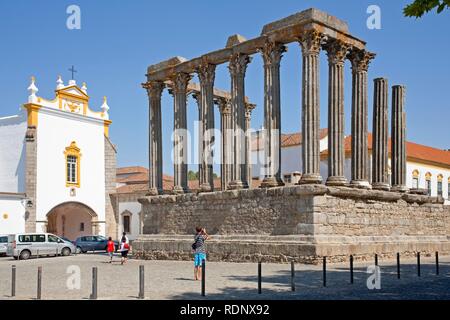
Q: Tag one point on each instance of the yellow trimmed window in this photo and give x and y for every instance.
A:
(415, 179)
(439, 184)
(428, 182)
(73, 157)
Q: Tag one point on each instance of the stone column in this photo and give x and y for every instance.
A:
(337, 52)
(272, 54)
(154, 91)
(380, 135)
(310, 43)
(225, 128)
(238, 66)
(360, 60)
(179, 88)
(248, 148)
(398, 147)
(206, 74)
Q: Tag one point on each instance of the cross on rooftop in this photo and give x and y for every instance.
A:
(73, 71)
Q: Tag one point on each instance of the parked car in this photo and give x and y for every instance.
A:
(25, 245)
(93, 243)
(3, 244)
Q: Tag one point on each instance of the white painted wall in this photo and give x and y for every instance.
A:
(56, 130)
(135, 209)
(12, 153)
(12, 215)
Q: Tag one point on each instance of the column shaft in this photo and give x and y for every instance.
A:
(398, 145)
(337, 51)
(225, 127)
(272, 54)
(206, 74)
(360, 157)
(180, 82)
(380, 135)
(154, 90)
(248, 152)
(238, 66)
(310, 43)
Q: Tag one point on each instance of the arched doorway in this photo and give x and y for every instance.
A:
(72, 220)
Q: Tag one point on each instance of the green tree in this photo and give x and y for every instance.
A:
(192, 175)
(419, 7)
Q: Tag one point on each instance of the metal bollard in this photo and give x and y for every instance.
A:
(418, 264)
(292, 276)
(39, 284)
(437, 263)
(203, 277)
(324, 271)
(94, 284)
(37, 254)
(141, 282)
(351, 269)
(376, 259)
(398, 265)
(259, 277)
(13, 281)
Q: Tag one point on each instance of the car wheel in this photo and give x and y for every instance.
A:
(25, 255)
(66, 252)
(79, 250)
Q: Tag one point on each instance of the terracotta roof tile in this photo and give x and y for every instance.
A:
(287, 140)
(413, 151)
(131, 170)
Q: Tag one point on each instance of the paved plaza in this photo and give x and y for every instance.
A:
(173, 280)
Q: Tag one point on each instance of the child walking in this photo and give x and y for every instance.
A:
(110, 249)
(124, 248)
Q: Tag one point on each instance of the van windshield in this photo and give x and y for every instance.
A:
(3, 239)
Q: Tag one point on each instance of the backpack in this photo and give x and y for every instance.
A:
(194, 245)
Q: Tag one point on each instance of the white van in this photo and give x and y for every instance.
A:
(25, 245)
(3, 244)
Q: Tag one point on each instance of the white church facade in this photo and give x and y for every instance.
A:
(57, 166)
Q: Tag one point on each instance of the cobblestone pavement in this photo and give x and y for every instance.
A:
(228, 281)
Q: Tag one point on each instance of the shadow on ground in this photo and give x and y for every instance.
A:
(309, 285)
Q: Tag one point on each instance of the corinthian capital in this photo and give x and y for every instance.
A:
(206, 73)
(310, 42)
(224, 105)
(337, 51)
(360, 59)
(238, 63)
(180, 82)
(272, 52)
(154, 88)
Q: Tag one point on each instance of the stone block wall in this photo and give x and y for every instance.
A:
(301, 223)
(110, 189)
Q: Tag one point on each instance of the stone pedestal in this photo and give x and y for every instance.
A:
(301, 223)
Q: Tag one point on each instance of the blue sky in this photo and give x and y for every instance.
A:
(119, 39)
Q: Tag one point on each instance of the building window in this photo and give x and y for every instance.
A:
(73, 157)
(448, 189)
(287, 178)
(439, 184)
(126, 224)
(415, 179)
(428, 182)
(72, 169)
(82, 227)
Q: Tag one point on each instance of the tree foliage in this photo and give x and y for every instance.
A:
(419, 7)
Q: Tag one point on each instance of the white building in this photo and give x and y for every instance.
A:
(427, 167)
(57, 166)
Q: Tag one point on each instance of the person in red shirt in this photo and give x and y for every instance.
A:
(110, 248)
